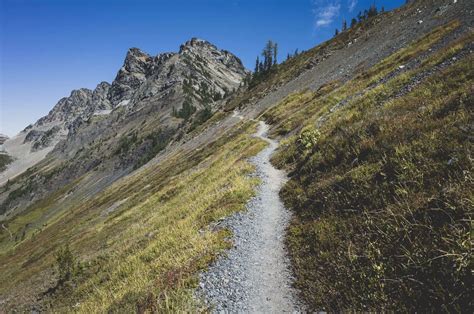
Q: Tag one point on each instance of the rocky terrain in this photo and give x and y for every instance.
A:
(120, 197)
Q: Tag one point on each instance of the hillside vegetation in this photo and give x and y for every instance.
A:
(381, 182)
(141, 242)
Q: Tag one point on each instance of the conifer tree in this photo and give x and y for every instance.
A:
(372, 11)
(275, 53)
(353, 22)
(344, 25)
(267, 54)
(257, 65)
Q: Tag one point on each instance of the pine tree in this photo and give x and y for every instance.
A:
(275, 53)
(353, 22)
(186, 110)
(257, 65)
(261, 67)
(247, 80)
(344, 25)
(372, 11)
(267, 54)
(336, 32)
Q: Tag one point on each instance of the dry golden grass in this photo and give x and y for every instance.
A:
(147, 252)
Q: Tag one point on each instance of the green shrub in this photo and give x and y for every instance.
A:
(67, 265)
(186, 110)
(308, 139)
(125, 144)
(202, 116)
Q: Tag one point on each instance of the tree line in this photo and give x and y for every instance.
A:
(269, 54)
(268, 59)
(264, 65)
(361, 17)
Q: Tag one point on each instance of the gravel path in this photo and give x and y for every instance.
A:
(254, 276)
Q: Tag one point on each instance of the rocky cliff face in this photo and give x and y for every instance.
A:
(132, 74)
(68, 107)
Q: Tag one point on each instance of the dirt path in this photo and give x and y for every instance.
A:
(254, 277)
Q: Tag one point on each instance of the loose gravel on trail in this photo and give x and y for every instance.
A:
(254, 276)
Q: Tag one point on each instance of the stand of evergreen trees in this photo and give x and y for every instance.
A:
(186, 110)
(266, 64)
(361, 17)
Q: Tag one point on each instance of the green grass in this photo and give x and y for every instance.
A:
(146, 253)
(382, 189)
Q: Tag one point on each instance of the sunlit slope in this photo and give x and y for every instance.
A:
(381, 181)
(142, 239)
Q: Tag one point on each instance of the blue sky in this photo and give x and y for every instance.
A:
(49, 47)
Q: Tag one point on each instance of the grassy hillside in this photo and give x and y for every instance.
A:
(381, 182)
(140, 243)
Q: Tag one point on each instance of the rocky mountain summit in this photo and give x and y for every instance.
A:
(200, 74)
(199, 68)
(143, 76)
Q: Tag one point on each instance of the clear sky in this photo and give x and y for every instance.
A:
(50, 47)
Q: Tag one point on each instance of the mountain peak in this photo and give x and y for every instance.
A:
(136, 59)
(196, 42)
(131, 75)
(136, 53)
